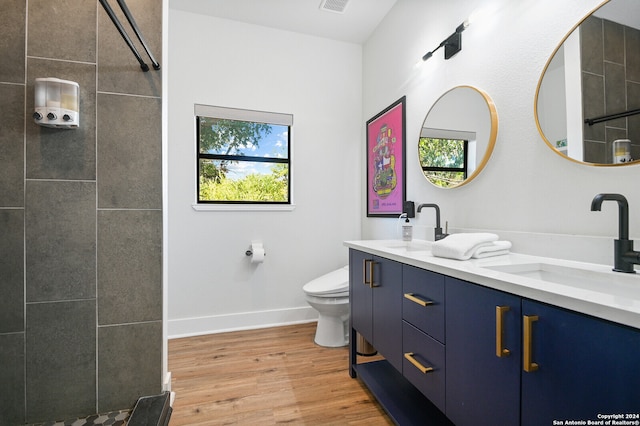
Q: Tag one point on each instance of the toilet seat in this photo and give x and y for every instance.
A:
(332, 285)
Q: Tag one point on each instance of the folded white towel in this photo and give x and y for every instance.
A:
(462, 246)
(496, 248)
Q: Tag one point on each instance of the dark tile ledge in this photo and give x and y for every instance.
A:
(151, 411)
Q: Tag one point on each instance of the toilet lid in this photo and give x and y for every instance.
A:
(330, 283)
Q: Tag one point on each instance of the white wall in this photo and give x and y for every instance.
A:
(212, 285)
(527, 193)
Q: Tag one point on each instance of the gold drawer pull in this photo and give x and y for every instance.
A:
(500, 350)
(412, 360)
(529, 365)
(417, 300)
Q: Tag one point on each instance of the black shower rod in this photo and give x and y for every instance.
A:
(125, 36)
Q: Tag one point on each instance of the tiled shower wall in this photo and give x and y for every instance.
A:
(80, 215)
(610, 84)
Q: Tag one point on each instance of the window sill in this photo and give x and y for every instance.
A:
(243, 207)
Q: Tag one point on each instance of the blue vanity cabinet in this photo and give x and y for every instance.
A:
(376, 303)
(483, 358)
(423, 333)
(580, 366)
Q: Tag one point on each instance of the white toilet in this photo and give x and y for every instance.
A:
(329, 295)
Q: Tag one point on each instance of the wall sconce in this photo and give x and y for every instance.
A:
(452, 44)
(56, 103)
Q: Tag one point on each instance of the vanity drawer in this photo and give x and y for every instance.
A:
(424, 364)
(423, 301)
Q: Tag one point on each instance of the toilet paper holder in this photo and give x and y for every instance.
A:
(249, 252)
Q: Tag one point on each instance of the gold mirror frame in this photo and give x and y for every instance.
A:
(492, 116)
(536, 99)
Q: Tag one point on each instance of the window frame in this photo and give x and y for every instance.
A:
(254, 116)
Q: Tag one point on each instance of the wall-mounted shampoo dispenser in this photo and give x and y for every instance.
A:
(621, 151)
(57, 103)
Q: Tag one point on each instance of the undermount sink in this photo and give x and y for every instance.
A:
(566, 275)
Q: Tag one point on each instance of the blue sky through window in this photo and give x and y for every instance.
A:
(273, 145)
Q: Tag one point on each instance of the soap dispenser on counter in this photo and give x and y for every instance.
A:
(407, 230)
(56, 103)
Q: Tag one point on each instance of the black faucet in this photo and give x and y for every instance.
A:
(438, 234)
(624, 255)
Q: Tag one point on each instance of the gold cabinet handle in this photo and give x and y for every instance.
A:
(417, 300)
(527, 331)
(501, 351)
(412, 360)
(368, 262)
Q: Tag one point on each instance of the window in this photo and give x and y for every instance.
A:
(444, 161)
(243, 156)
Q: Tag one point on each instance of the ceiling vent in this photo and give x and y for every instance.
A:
(337, 6)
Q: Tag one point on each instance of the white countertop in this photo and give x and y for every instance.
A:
(616, 299)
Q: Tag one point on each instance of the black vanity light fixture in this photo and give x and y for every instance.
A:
(452, 44)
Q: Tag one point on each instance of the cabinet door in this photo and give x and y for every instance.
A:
(387, 310)
(360, 293)
(482, 388)
(585, 367)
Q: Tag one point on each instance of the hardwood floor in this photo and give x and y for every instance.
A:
(266, 377)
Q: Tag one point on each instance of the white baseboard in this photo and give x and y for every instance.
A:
(187, 327)
(166, 386)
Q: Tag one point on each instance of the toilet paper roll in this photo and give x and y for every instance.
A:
(257, 253)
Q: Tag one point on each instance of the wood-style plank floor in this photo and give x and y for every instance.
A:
(266, 377)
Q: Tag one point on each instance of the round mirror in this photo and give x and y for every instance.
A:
(457, 137)
(588, 98)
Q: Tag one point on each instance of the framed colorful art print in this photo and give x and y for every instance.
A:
(386, 189)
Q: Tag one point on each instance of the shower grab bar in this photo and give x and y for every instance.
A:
(136, 30)
(592, 121)
(126, 37)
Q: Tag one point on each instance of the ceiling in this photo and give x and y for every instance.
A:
(354, 25)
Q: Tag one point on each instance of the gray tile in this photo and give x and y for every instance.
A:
(634, 133)
(593, 105)
(62, 29)
(613, 42)
(63, 153)
(129, 266)
(635, 152)
(11, 270)
(120, 71)
(130, 364)
(61, 360)
(615, 89)
(12, 22)
(632, 43)
(12, 379)
(129, 154)
(60, 240)
(633, 95)
(595, 152)
(591, 42)
(12, 145)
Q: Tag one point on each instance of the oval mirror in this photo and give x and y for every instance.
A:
(588, 98)
(457, 137)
